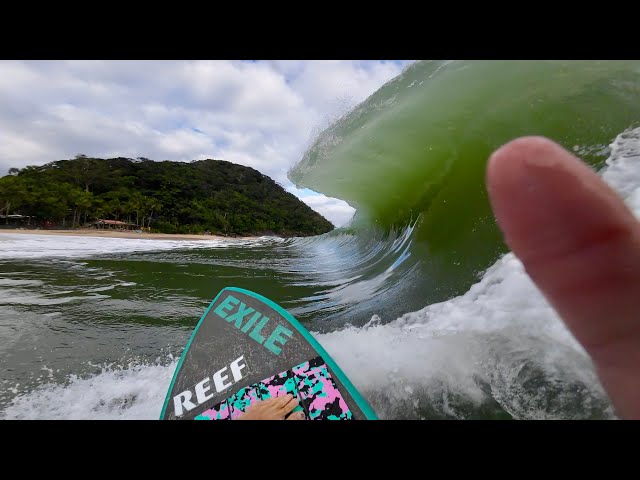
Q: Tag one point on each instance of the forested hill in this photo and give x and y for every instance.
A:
(168, 197)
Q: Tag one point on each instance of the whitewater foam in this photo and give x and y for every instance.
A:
(32, 246)
(500, 344)
(134, 392)
(501, 333)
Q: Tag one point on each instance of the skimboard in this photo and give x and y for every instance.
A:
(246, 349)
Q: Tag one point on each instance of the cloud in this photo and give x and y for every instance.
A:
(336, 211)
(260, 114)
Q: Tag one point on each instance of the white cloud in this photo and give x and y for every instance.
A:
(260, 114)
(336, 211)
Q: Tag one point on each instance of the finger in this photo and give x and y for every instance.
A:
(283, 401)
(274, 402)
(289, 406)
(581, 246)
(278, 404)
(296, 416)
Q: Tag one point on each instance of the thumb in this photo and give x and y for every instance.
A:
(581, 245)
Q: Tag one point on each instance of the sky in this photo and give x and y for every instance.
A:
(262, 114)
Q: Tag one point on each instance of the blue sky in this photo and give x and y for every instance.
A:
(262, 114)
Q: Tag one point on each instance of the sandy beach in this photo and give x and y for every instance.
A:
(92, 232)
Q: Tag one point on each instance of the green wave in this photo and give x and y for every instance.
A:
(417, 148)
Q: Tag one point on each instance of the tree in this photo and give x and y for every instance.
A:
(138, 204)
(151, 205)
(11, 194)
(86, 171)
(82, 202)
(172, 196)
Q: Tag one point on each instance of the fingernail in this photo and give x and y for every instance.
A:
(530, 181)
(550, 204)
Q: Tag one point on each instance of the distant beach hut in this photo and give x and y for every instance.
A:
(114, 224)
(16, 220)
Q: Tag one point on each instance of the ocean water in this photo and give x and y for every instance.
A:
(419, 301)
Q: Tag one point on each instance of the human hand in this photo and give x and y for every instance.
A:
(275, 408)
(580, 244)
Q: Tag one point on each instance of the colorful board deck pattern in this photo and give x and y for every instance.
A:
(246, 349)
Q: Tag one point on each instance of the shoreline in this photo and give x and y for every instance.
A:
(118, 234)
